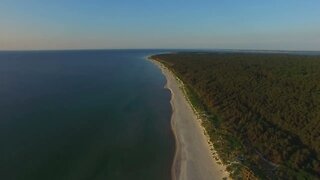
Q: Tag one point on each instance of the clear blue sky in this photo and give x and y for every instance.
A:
(91, 24)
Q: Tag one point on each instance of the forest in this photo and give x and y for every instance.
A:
(262, 110)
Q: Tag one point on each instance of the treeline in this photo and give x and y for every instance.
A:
(267, 107)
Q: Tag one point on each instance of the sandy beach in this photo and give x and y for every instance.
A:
(194, 153)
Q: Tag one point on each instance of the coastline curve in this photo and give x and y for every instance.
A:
(193, 155)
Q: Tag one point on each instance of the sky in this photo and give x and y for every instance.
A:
(136, 24)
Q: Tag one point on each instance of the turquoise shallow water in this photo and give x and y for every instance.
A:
(83, 115)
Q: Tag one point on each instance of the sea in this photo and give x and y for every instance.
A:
(84, 115)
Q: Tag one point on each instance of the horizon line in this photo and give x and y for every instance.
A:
(119, 49)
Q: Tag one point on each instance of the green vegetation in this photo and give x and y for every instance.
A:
(262, 111)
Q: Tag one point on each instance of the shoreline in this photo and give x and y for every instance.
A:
(195, 157)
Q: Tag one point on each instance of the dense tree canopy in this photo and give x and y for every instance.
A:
(269, 104)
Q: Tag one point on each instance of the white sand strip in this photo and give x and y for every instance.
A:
(193, 158)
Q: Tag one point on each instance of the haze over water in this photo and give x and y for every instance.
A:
(83, 115)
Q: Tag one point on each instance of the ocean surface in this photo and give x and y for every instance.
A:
(84, 115)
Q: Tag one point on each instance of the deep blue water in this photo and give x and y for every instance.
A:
(83, 115)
